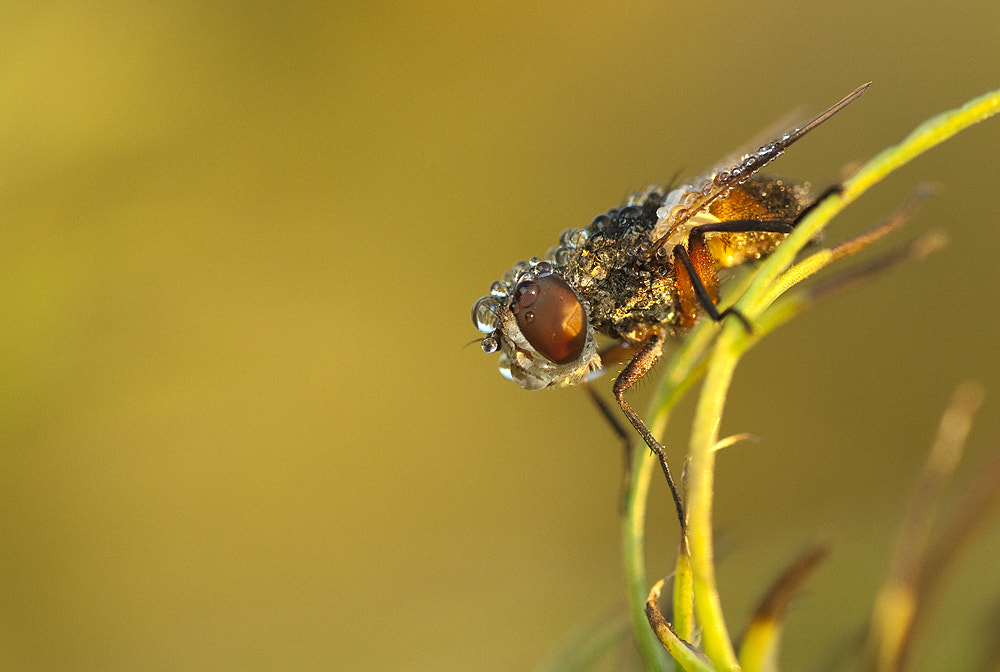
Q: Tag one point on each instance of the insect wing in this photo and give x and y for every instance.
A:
(718, 185)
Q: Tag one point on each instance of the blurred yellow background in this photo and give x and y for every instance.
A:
(242, 425)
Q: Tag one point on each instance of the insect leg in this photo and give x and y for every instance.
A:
(697, 282)
(762, 225)
(648, 354)
(742, 226)
(697, 286)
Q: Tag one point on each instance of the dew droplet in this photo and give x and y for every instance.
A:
(630, 212)
(484, 314)
(579, 237)
(600, 223)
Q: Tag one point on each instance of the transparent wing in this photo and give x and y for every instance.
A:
(721, 182)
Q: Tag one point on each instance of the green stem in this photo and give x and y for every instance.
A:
(701, 470)
(685, 367)
(634, 551)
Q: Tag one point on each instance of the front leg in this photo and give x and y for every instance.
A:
(649, 353)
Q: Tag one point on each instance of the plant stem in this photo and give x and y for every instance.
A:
(701, 472)
(634, 552)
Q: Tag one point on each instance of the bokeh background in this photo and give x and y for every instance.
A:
(242, 426)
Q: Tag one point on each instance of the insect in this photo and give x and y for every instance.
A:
(639, 275)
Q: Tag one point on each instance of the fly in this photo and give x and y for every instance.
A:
(639, 275)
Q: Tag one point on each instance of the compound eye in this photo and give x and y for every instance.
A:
(551, 318)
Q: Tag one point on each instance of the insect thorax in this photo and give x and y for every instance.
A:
(605, 264)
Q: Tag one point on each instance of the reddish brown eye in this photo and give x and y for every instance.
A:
(550, 316)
